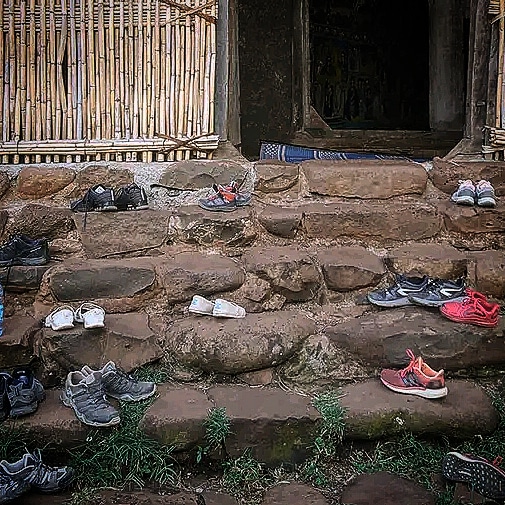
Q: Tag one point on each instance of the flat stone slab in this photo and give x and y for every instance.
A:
(372, 219)
(366, 179)
(16, 343)
(22, 277)
(384, 488)
(294, 493)
(281, 221)
(126, 339)
(275, 176)
(350, 268)
(374, 411)
(52, 423)
(290, 271)
(381, 337)
(464, 219)
(187, 274)
(112, 233)
(489, 274)
(233, 346)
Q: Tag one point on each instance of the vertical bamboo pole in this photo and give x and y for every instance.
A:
(32, 118)
(82, 76)
(161, 122)
(121, 83)
(129, 72)
(188, 59)
(93, 113)
(178, 78)
(111, 74)
(72, 75)
(2, 77)
(62, 48)
(146, 92)
(42, 71)
(52, 128)
(137, 93)
(173, 80)
(21, 106)
(501, 46)
(195, 88)
(102, 81)
(12, 72)
(155, 83)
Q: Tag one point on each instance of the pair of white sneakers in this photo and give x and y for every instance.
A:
(218, 308)
(63, 317)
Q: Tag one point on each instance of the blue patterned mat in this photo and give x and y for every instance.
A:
(297, 154)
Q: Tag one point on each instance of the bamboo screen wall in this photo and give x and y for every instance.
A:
(92, 79)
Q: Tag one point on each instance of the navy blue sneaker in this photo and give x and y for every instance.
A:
(4, 399)
(24, 391)
(11, 489)
(440, 291)
(397, 295)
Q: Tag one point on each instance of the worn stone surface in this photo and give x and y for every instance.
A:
(177, 416)
(134, 232)
(374, 411)
(39, 181)
(365, 179)
(384, 488)
(95, 279)
(435, 260)
(294, 493)
(53, 424)
(446, 174)
(39, 221)
(283, 222)
(126, 339)
(277, 425)
(16, 343)
(21, 278)
(233, 346)
(463, 219)
(275, 176)
(348, 268)
(194, 225)
(290, 271)
(5, 183)
(489, 273)
(187, 274)
(197, 174)
(380, 339)
(99, 173)
(257, 295)
(372, 219)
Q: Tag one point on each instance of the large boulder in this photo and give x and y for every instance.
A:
(39, 181)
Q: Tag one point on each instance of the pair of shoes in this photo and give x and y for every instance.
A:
(22, 250)
(18, 477)
(63, 317)
(474, 309)
(219, 308)
(416, 379)
(104, 198)
(20, 393)
(481, 194)
(419, 291)
(86, 392)
(483, 476)
(225, 198)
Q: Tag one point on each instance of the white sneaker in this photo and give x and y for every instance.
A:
(200, 305)
(224, 308)
(61, 318)
(91, 315)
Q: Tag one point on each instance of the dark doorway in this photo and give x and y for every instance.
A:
(370, 63)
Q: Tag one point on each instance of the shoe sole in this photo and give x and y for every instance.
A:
(464, 200)
(69, 403)
(229, 316)
(218, 209)
(129, 398)
(486, 202)
(477, 322)
(430, 394)
(401, 302)
(486, 479)
(200, 312)
(25, 262)
(435, 303)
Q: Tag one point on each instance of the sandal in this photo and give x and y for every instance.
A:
(61, 318)
(91, 315)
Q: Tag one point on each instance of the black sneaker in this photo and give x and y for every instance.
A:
(440, 291)
(131, 197)
(30, 469)
(4, 399)
(25, 392)
(484, 477)
(11, 489)
(97, 198)
(22, 250)
(397, 295)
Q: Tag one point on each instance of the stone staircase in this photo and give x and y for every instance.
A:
(317, 237)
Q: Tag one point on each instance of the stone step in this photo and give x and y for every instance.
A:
(278, 425)
(380, 338)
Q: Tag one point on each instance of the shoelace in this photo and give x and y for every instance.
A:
(43, 474)
(466, 184)
(121, 381)
(93, 394)
(410, 366)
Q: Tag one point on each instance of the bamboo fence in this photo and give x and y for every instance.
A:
(85, 80)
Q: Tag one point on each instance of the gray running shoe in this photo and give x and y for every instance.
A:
(440, 291)
(397, 295)
(30, 470)
(485, 194)
(122, 386)
(24, 391)
(11, 489)
(86, 395)
(465, 194)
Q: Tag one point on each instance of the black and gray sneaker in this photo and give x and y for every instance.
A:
(484, 194)
(131, 197)
(4, 398)
(24, 391)
(397, 295)
(118, 384)
(22, 250)
(86, 395)
(97, 198)
(11, 489)
(30, 470)
(484, 477)
(465, 194)
(440, 291)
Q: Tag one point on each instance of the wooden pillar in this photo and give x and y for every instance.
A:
(222, 57)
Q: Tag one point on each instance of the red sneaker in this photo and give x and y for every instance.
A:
(475, 309)
(416, 379)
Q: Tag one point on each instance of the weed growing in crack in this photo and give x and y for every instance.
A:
(217, 428)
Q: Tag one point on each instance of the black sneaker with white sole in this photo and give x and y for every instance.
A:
(131, 197)
(484, 477)
(23, 250)
(97, 198)
(397, 295)
(440, 291)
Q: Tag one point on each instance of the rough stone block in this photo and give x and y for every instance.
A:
(489, 274)
(281, 221)
(39, 181)
(16, 343)
(275, 176)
